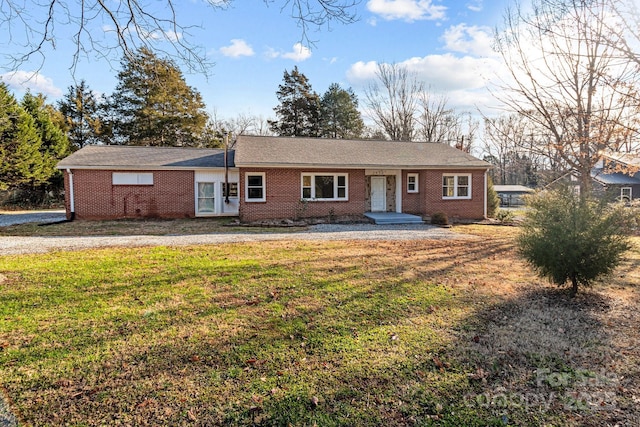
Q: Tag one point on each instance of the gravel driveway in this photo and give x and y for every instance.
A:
(21, 245)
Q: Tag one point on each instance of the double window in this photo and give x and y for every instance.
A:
(325, 186)
(456, 186)
(254, 184)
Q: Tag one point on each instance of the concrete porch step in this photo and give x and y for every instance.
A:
(388, 218)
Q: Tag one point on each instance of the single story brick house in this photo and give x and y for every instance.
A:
(276, 178)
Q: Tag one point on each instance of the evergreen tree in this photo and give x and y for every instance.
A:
(339, 113)
(54, 144)
(21, 160)
(153, 105)
(80, 108)
(299, 110)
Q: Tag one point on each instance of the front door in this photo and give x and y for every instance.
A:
(378, 194)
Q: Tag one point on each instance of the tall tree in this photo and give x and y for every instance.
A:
(339, 113)
(81, 109)
(153, 104)
(299, 110)
(21, 160)
(568, 81)
(54, 144)
(393, 101)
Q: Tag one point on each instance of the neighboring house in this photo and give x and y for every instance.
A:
(512, 195)
(277, 178)
(618, 174)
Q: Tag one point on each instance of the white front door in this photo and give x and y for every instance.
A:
(378, 194)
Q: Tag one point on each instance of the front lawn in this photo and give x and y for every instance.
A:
(456, 333)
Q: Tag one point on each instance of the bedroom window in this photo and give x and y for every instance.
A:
(132, 178)
(255, 187)
(456, 186)
(324, 186)
(412, 183)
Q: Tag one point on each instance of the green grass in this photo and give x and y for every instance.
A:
(341, 333)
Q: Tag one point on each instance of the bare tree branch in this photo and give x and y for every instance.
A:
(131, 25)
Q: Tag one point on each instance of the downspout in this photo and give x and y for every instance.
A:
(226, 168)
(486, 193)
(72, 205)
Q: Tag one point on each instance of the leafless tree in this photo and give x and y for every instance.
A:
(110, 30)
(392, 101)
(567, 80)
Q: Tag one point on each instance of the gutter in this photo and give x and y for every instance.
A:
(72, 204)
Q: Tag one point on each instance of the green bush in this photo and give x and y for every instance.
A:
(505, 216)
(493, 201)
(573, 239)
(439, 218)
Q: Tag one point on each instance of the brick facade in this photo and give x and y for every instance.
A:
(172, 196)
(95, 197)
(284, 193)
(431, 190)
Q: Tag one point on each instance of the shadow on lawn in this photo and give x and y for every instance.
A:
(394, 334)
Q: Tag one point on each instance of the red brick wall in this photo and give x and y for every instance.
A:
(170, 196)
(413, 203)
(283, 194)
(431, 186)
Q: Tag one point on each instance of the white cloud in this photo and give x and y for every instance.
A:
(298, 53)
(475, 6)
(237, 48)
(475, 40)
(407, 10)
(462, 79)
(31, 80)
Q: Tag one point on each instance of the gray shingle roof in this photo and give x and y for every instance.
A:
(341, 153)
(130, 157)
(615, 178)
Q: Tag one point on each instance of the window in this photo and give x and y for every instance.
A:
(233, 189)
(132, 178)
(625, 194)
(456, 186)
(324, 186)
(255, 187)
(412, 183)
(206, 197)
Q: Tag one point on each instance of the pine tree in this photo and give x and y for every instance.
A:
(299, 110)
(80, 108)
(153, 105)
(21, 160)
(54, 144)
(339, 113)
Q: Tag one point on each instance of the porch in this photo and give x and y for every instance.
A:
(388, 218)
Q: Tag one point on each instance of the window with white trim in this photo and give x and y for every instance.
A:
(325, 186)
(412, 183)
(254, 186)
(626, 194)
(456, 186)
(206, 197)
(132, 178)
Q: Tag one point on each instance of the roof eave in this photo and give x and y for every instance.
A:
(357, 166)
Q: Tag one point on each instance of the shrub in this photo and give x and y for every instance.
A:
(493, 201)
(572, 238)
(439, 218)
(505, 216)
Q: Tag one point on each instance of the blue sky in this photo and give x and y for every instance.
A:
(446, 43)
